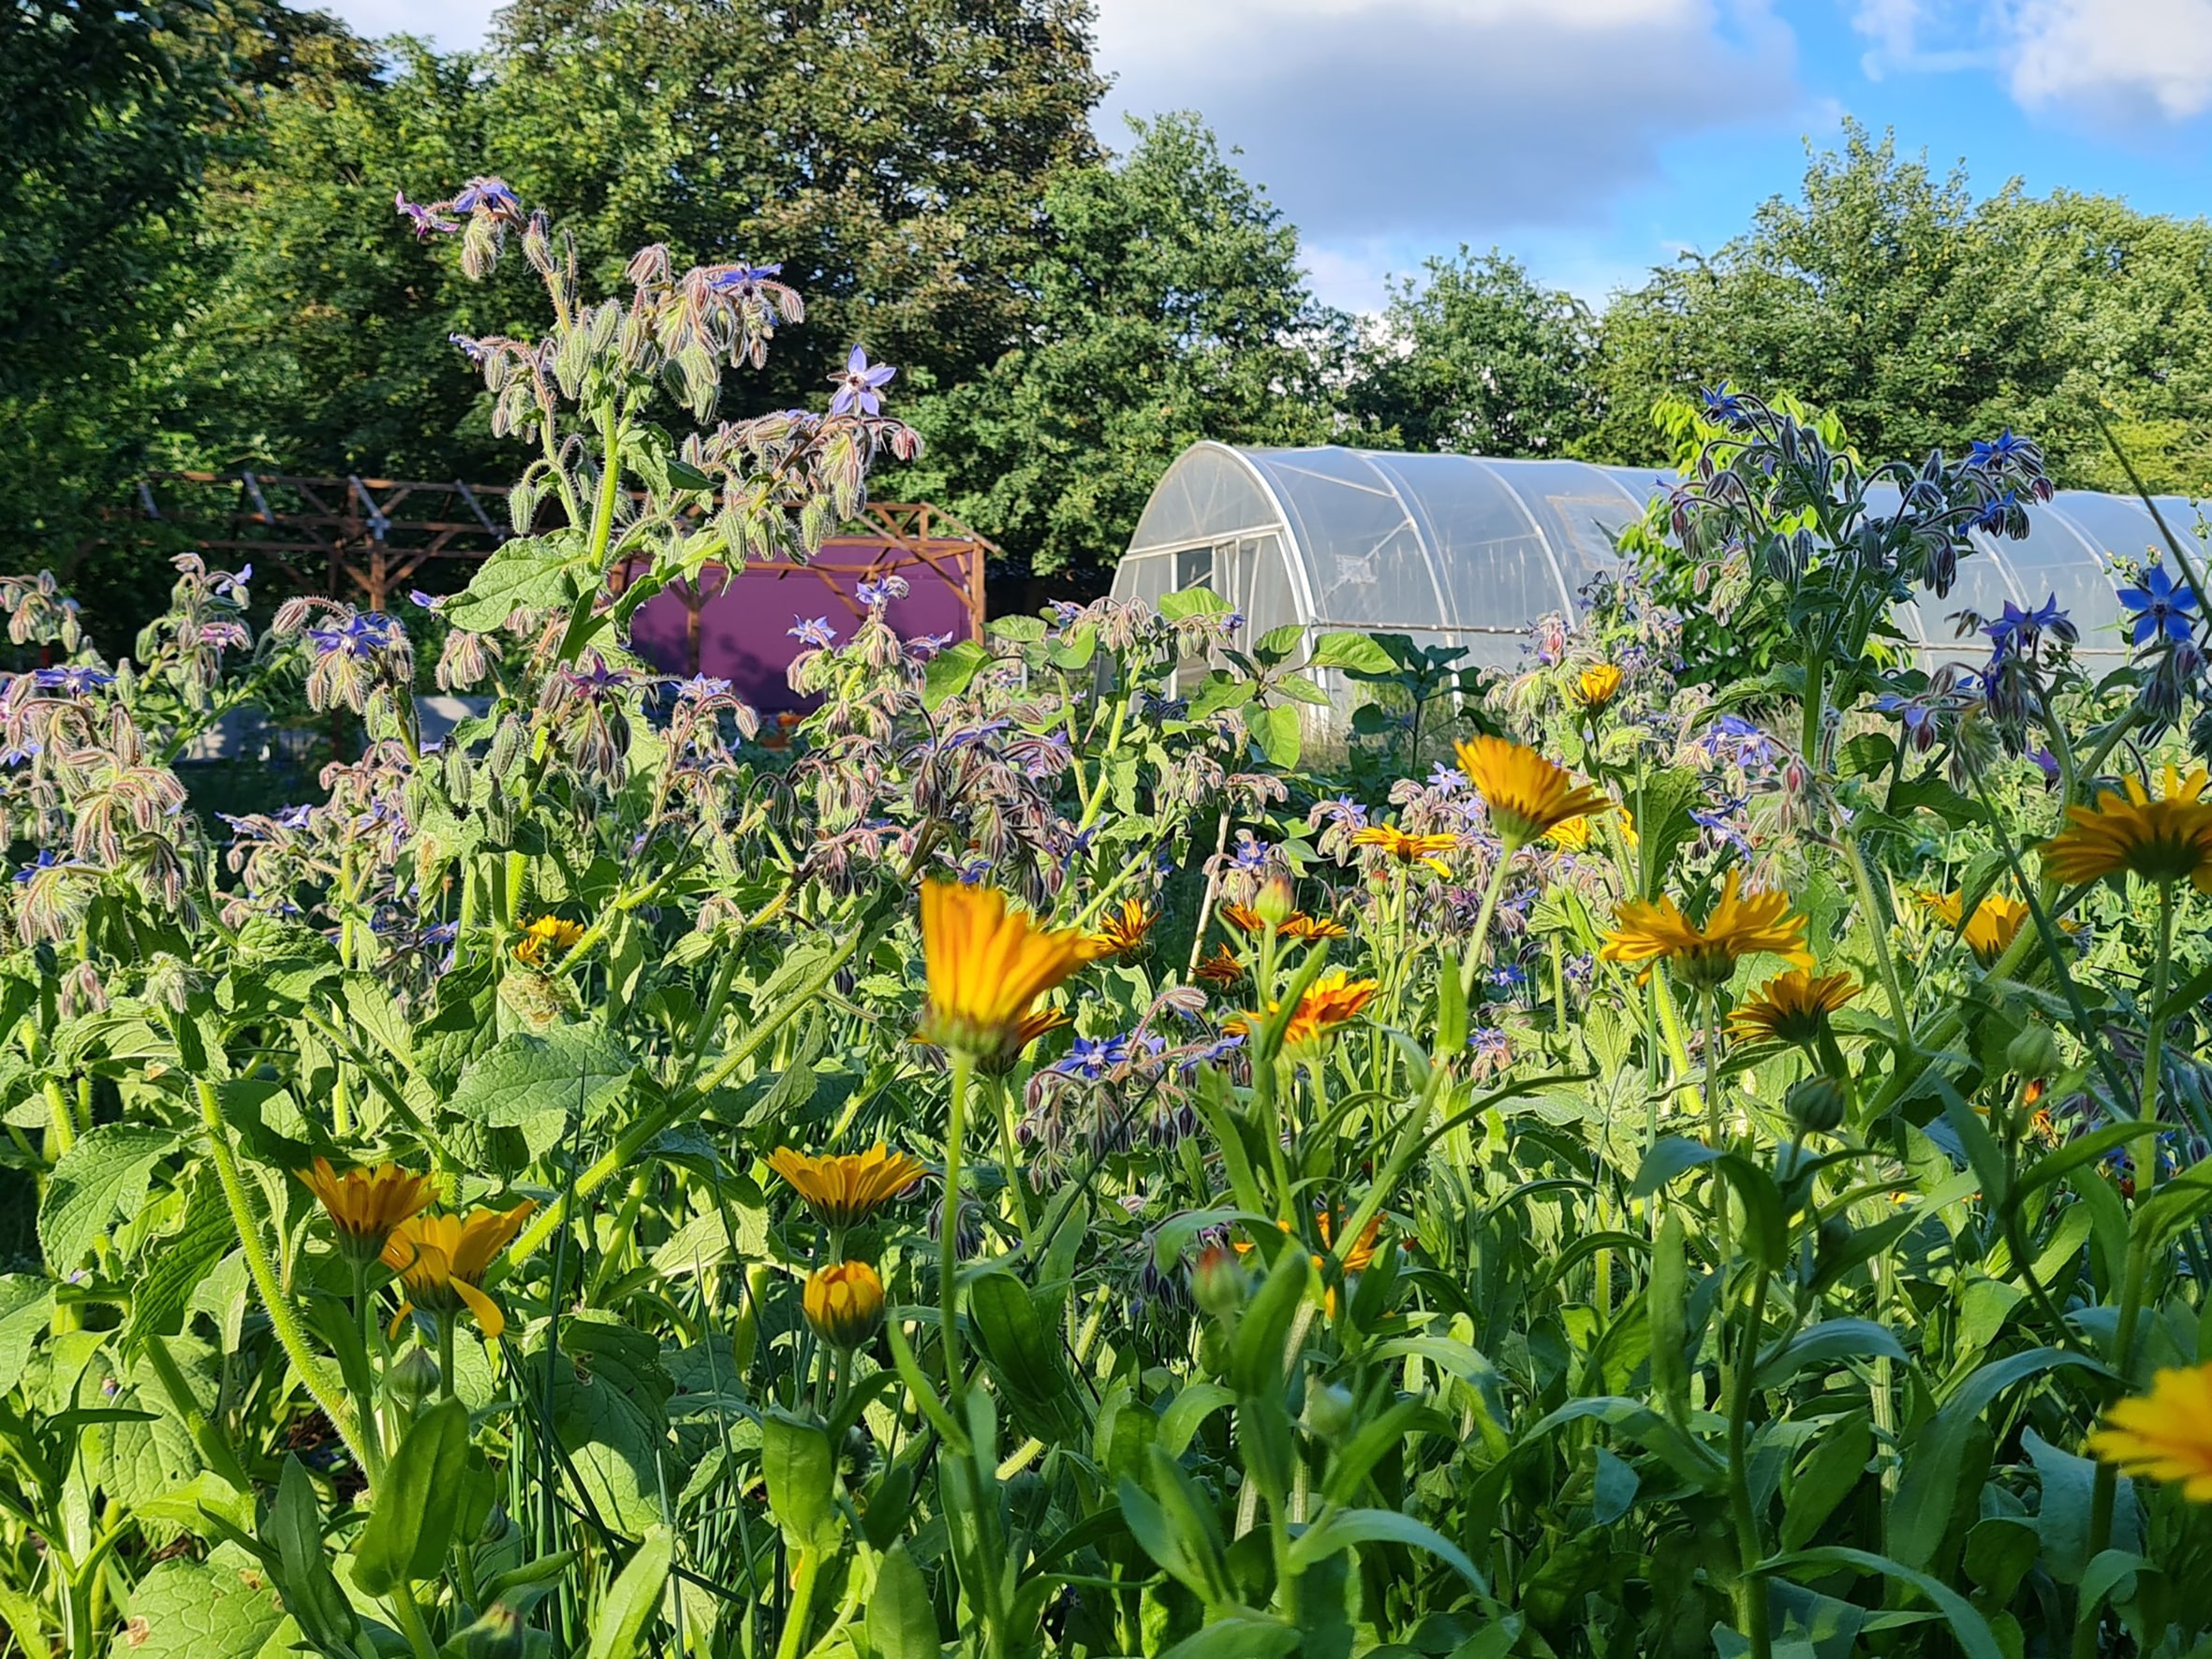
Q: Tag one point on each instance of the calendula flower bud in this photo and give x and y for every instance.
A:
(413, 1378)
(1816, 1105)
(844, 1304)
(1218, 1283)
(2033, 1054)
(1329, 1414)
(1277, 902)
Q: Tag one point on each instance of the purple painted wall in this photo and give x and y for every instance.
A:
(745, 631)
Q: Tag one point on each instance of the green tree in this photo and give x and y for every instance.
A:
(890, 157)
(1166, 306)
(1478, 359)
(108, 113)
(1925, 319)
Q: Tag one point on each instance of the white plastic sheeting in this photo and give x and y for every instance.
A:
(1469, 551)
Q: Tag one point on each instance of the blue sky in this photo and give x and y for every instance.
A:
(1597, 137)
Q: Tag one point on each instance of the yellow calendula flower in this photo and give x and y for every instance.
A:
(1989, 933)
(1357, 1259)
(2162, 842)
(1572, 835)
(844, 1304)
(2165, 1434)
(1792, 1008)
(1406, 848)
(364, 1205)
(1704, 958)
(987, 965)
(1527, 796)
(547, 939)
(1125, 932)
(1596, 686)
(845, 1188)
(442, 1259)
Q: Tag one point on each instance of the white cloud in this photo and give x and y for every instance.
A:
(2117, 63)
(1449, 118)
(454, 25)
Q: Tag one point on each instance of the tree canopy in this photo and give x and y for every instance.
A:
(1165, 304)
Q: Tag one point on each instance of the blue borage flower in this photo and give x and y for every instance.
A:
(860, 385)
(1920, 720)
(2023, 630)
(1447, 778)
(813, 630)
(2161, 609)
(75, 680)
(1092, 1058)
(1723, 403)
(491, 196)
(360, 635)
(2005, 449)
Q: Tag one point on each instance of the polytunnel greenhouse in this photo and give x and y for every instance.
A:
(1469, 551)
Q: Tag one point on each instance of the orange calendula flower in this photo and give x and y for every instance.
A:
(2167, 1433)
(1331, 1001)
(547, 939)
(845, 1189)
(1405, 848)
(1792, 1008)
(844, 1304)
(1356, 1260)
(1221, 968)
(987, 965)
(1527, 795)
(2162, 842)
(1704, 958)
(364, 1205)
(442, 1259)
(1297, 925)
(1598, 686)
(1125, 932)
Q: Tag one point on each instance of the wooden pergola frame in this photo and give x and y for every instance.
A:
(359, 539)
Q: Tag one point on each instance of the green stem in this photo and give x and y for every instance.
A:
(2155, 1019)
(401, 1602)
(1750, 1588)
(283, 1317)
(445, 1324)
(1481, 940)
(1878, 929)
(949, 1226)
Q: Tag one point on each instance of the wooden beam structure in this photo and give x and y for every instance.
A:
(361, 539)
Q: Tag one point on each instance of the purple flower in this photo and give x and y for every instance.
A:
(2001, 450)
(426, 220)
(1213, 1052)
(445, 933)
(1920, 732)
(967, 736)
(75, 680)
(860, 385)
(1092, 1058)
(1448, 778)
(597, 681)
(2048, 764)
(701, 686)
(46, 860)
(1251, 853)
(1153, 706)
(361, 634)
(2160, 607)
(2001, 515)
(1723, 403)
(294, 818)
(2023, 630)
(228, 583)
(487, 196)
(745, 281)
(928, 645)
(812, 631)
(1490, 1044)
(873, 593)
(418, 597)
(475, 350)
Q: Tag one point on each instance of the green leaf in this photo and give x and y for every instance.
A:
(1257, 1360)
(1970, 1627)
(212, 1609)
(801, 1476)
(1185, 603)
(1276, 644)
(618, 1623)
(1612, 1487)
(412, 1519)
(951, 671)
(1346, 1527)
(1278, 731)
(26, 1308)
(1667, 1298)
(1825, 1344)
(527, 1075)
(176, 1264)
(1837, 1464)
(536, 573)
(292, 1536)
(1356, 652)
(900, 1622)
(1241, 1635)
(104, 1174)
